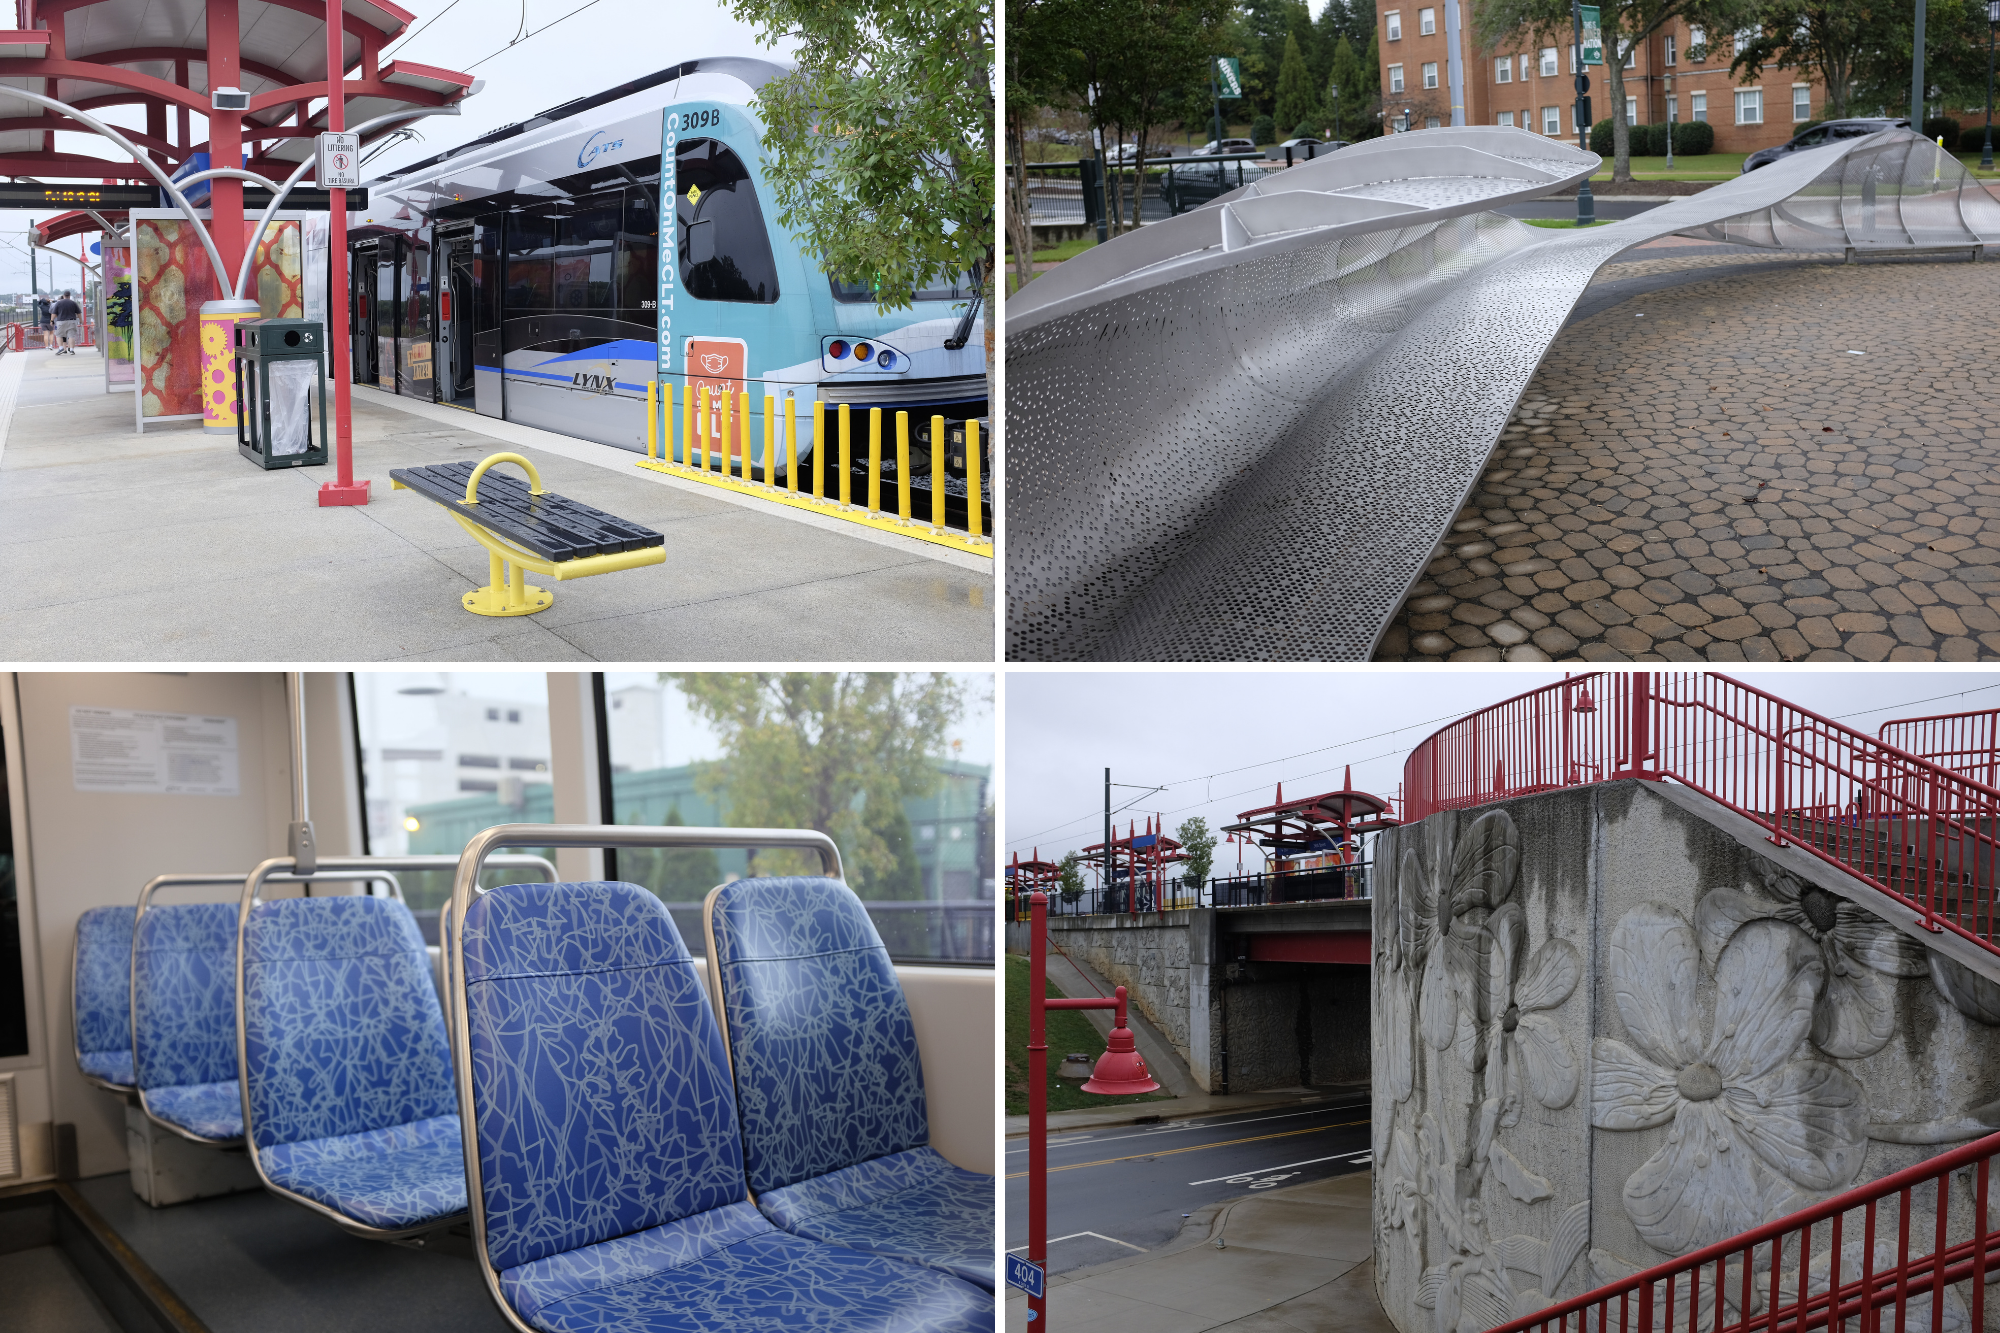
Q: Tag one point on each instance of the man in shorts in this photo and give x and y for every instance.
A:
(68, 315)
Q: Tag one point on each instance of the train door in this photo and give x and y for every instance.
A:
(361, 312)
(388, 311)
(457, 263)
(415, 373)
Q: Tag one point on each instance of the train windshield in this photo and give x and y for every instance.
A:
(960, 288)
(725, 253)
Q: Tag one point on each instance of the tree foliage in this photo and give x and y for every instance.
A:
(1069, 877)
(1298, 99)
(1824, 39)
(1500, 24)
(1199, 844)
(880, 142)
(677, 874)
(833, 751)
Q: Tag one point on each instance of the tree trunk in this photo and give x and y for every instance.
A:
(1614, 88)
(1020, 230)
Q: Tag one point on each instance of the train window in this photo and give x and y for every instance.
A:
(669, 763)
(531, 247)
(725, 253)
(586, 245)
(13, 983)
(638, 277)
(854, 293)
(436, 769)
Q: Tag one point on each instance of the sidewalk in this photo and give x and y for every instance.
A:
(1290, 1260)
(169, 546)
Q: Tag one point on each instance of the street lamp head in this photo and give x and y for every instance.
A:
(1121, 1070)
(1993, 11)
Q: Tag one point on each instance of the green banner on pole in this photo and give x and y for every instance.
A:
(1228, 77)
(1593, 37)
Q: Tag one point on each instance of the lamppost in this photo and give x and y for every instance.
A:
(1334, 90)
(1986, 149)
(1121, 1070)
(1586, 206)
(1674, 110)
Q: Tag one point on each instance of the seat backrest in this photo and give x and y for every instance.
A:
(342, 1031)
(184, 995)
(599, 1088)
(820, 1038)
(101, 989)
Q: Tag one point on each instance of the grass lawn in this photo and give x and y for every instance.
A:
(1705, 167)
(1068, 1031)
(1051, 254)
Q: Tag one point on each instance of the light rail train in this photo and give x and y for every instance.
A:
(520, 275)
(271, 1059)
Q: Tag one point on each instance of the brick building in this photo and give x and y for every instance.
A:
(1428, 55)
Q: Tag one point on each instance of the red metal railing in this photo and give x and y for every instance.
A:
(1845, 1263)
(1911, 828)
(1967, 744)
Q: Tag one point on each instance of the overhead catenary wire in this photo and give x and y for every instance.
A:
(1015, 844)
(525, 36)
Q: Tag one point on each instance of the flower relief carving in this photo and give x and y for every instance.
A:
(1853, 1014)
(1753, 1122)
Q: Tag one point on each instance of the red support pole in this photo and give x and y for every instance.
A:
(1642, 722)
(1038, 1099)
(344, 489)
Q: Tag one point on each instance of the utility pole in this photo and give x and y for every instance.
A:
(1586, 206)
(1107, 835)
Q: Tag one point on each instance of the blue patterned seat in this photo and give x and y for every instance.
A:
(345, 1064)
(101, 996)
(835, 1129)
(611, 1190)
(184, 1019)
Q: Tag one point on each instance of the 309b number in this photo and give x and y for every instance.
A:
(701, 120)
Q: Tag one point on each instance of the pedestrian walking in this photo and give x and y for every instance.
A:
(68, 314)
(45, 322)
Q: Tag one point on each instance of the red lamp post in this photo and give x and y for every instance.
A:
(1120, 1070)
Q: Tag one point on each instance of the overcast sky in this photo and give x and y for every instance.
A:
(601, 44)
(1220, 741)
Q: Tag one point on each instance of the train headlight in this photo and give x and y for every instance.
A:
(886, 361)
(837, 349)
(862, 351)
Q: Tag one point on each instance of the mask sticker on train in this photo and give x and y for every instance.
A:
(720, 365)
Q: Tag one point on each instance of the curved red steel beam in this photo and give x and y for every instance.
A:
(358, 28)
(70, 164)
(49, 68)
(191, 54)
(32, 123)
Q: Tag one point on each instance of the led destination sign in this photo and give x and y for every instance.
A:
(302, 199)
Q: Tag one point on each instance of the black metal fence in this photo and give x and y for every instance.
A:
(1073, 194)
(1259, 890)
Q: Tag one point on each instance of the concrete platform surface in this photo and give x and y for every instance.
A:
(1289, 1260)
(168, 546)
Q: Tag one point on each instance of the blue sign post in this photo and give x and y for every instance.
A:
(1025, 1274)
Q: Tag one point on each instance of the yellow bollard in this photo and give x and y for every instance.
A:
(687, 429)
(728, 440)
(903, 466)
(702, 452)
(743, 450)
(792, 444)
(937, 472)
(874, 460)
(770, 436)
(972, 517)
(667, 421)
(846, 465)
(652, 420)
(819, 449)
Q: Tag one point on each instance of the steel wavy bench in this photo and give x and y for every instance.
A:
(525, 528)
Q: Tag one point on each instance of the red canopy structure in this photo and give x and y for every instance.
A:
(1309, 824)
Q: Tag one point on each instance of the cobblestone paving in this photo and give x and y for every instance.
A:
(1707, 473)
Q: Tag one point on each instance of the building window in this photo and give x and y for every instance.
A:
(1632, 56)
(493, 715)
(1670, 48)
(1697, 45)
(528, 765)
(1801, 101)
(1431, 122)
(1430, 76)
(1395, 25)
(394, 755)
(1505, 118)
(1524, 67)
(1548, 64)
(478, 784)
(1744, 36)
(479, 761)
(1698, 106)
(1503, 71)
(1631, 111)
(1395, 86)
(1552, 121)
(1750, 106)
(513, 715)
(1427, 22)
(1673, 109)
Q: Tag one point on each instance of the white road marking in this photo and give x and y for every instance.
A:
(1100, 1235)
(1206, 1124)
(1259, 1172)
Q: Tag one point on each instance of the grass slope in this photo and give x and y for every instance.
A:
(1068, 1030)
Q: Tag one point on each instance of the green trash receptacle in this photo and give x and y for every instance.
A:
(280, 391)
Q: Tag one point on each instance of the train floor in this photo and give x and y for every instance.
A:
(170, 546)
(249, 1263)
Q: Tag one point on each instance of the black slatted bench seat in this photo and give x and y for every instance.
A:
(524, 527)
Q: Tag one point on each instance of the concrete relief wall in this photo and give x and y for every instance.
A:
(1616, 1024)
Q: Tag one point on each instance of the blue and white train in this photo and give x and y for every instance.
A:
(519, 275)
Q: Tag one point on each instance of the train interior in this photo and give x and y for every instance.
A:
(290, 846)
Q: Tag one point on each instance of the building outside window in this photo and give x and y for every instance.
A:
(1395, 17)
(1631, 111)
(1431, 122)
(1505, 118)
(1427, 22)
(1670, 48)
(1673, 108)
(1430, 74)
(1801, 101)
(1697, 45)
(1503, 70)
(1744, 36)
(1750, 106)
(1548, 62)
(1632, 56)
(1552, 121)
(1524, 68)
(1395, 78)
(1698, 106)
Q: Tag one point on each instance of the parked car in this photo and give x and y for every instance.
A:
(1830, 132)
(1303, 149)
(1216, 147)
(1122, 153)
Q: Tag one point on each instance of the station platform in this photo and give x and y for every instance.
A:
(168, 546)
